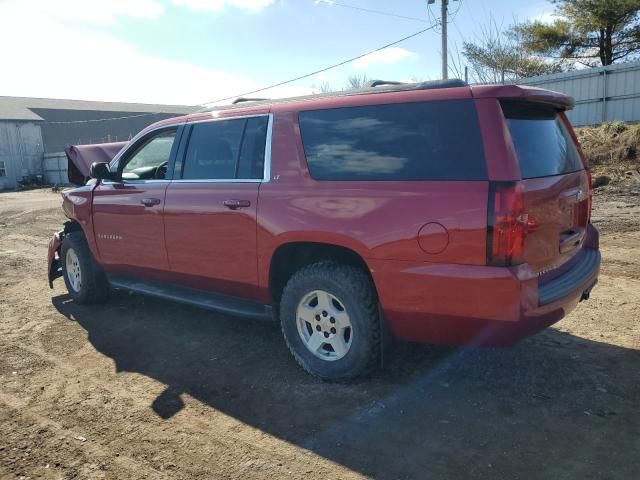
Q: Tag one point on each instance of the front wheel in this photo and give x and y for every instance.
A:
(330, 320)
(85, 280)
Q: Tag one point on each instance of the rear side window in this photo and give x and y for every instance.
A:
(542, 142)
(251, 161)
(226, 150)
(407, 141)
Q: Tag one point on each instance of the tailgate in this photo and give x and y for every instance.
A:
(555, 184)
(559, 206)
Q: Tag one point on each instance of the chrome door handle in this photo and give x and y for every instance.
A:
(236, 204)
(150, 202)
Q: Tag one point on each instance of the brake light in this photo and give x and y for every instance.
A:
(507, 224)
(590, 177)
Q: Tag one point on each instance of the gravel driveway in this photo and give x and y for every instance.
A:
(142, 388)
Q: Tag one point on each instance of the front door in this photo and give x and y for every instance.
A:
(211, 206)
(128, 215)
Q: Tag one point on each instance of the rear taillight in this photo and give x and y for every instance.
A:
(507, 224)
(590, 195)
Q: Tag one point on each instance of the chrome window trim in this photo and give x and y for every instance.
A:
(266, 175)
(137, 181)
(218, 180)
(267, 150)
(266, 168)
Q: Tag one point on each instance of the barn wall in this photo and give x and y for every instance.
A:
(62, 128)
(55, 168)
(21, 151)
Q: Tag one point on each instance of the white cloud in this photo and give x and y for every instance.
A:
(547, 16)
(55, 60)
(384, 57)
(537, 10)
(217, 5)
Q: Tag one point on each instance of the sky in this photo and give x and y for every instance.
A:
(191, 52)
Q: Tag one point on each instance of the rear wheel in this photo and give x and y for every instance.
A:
(83, 277)
(330, 320)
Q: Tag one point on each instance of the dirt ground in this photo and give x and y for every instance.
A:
(142, 388)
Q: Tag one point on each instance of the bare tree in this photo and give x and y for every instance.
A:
(498, 56)
(456, 64)
(356, 81)
(322, 87)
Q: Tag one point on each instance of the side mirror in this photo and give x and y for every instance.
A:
(100, 170)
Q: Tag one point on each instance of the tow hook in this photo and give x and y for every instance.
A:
(587, 293)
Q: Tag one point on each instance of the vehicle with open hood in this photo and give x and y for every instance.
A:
(433, 212)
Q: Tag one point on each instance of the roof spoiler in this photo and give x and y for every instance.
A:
(525, 93)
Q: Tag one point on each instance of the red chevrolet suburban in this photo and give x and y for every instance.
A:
(433, 212)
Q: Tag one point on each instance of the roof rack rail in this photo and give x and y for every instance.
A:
(435, 84)
(428, 85)
(247, 99)
(379, 87)
(377, 83)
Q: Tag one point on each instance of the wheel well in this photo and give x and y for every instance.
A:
(72, 226)
(291, 257)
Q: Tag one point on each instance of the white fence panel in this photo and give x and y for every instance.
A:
(602, 94)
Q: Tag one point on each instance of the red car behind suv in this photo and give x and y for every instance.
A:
(434, 212)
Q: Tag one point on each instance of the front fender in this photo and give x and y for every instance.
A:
(53, 258)
(77, 207)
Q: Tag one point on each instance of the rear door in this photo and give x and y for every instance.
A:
(211, 206)
(555, 183)
(127, 215)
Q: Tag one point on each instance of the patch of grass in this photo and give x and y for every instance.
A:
(611, 148)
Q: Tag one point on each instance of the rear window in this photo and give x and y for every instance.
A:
(408, 141)
(542, 142)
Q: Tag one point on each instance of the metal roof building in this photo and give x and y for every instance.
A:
(33, 127)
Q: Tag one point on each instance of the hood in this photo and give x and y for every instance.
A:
(80, 158)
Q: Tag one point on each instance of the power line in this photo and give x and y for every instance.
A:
(92, 120)
(452, 17)
(330, 67)
(433, 18)
(368, 10)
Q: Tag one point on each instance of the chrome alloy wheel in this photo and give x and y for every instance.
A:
(74, 275)
(324, 326)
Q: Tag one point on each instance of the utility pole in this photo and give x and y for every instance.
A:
(444, 4)
(443, 17)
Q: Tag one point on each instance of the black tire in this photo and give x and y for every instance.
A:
(356, 292)
(94, 287)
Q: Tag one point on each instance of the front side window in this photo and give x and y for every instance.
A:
(150, 160)
(405, 141)
(226, 150)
